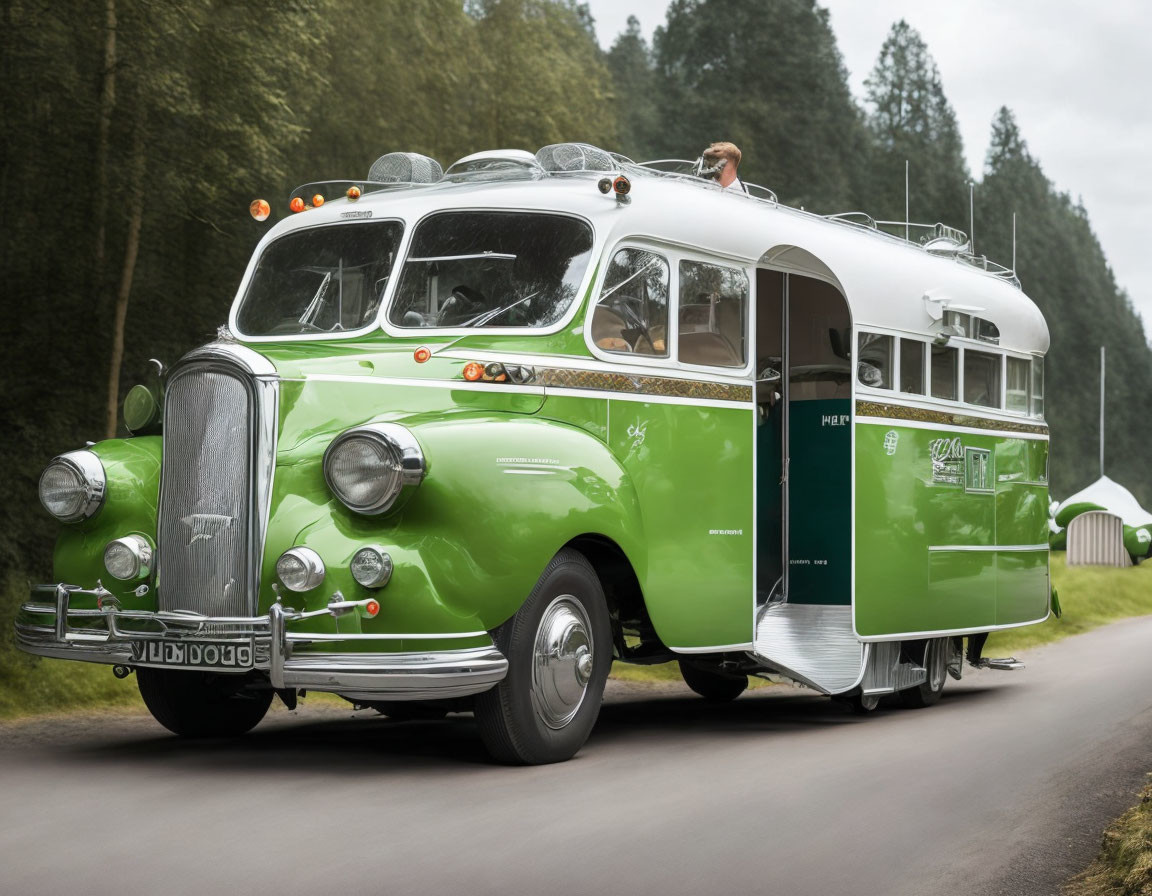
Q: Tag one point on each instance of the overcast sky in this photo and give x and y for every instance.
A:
(1076, 74)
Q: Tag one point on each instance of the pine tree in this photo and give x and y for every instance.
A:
(911, 120)
(635, 86)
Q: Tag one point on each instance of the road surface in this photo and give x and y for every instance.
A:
(1002, 788)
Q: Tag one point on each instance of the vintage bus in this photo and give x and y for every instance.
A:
(471, 436)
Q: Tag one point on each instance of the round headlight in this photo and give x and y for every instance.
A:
(141, 409)
(371, 567)
(128, 558)
(72, 486)
(300, 569)
(373, 469)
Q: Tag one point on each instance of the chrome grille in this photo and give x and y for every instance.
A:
(204, 532)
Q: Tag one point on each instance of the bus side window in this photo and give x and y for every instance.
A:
(912, 366)
(631, 316)
(874, 360)
(713, 315)
(982, 378)
(945, 372)
(1037, 387)
(1017, 391)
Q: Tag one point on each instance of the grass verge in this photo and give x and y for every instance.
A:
(1124, 866)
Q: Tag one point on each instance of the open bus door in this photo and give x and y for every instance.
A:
(804, 556)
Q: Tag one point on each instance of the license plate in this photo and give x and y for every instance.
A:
(194, 654)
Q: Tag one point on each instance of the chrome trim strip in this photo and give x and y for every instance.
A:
(719, 648)
(988, 547)
(891, 422)
(941, 633)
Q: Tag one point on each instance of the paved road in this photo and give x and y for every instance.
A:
(1002, 788)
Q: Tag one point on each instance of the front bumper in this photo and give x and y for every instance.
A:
(48, 626)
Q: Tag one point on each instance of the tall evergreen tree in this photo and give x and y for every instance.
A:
(1063, 269)
(636, 90)
(911, 120)
(767, 76)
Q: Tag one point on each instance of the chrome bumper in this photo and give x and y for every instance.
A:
(141, 638)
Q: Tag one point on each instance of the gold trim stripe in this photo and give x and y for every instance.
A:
(570, 378)
(924, 415)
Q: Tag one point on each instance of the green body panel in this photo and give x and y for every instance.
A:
(928, 531)
(691, 467)
(132, 468)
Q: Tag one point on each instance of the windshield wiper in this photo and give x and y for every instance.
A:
(480, 319)
(313, 309)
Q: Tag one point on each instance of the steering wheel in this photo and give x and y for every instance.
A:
(464, 303)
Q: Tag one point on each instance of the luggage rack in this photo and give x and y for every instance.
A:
(937, 239)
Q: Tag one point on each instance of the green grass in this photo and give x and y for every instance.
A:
(1091, 597)
(1124, 866)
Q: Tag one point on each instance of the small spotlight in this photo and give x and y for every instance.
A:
(260, 209)
(297, 204)
(317, 201)
(473, 371)
(353, 193)
(605, 185)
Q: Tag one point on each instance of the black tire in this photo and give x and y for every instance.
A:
(936, 663)
(715, 687)
(524, 722)
(201, 704)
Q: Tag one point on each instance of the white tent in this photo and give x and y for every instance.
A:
(1114, 498)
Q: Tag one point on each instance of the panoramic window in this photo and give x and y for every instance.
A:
(982, 379)
(959, 321)
(491, 269)
(945, 372)
(912, 366)
(631, 316)
(713, 315)
(1037, 387)
(320, 280)
(874, 360)
(986, 331)
(1019, 371)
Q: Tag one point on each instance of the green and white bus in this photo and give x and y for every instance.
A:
(471, 436)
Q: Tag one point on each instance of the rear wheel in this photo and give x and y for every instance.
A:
(559, 650)
(936, 665)
(201, 704)
(715, 687)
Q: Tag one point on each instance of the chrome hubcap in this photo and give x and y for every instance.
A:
(562, 661)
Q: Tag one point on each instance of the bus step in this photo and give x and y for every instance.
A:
(1004, 665)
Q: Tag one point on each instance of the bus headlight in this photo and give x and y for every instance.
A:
(72, 486)
(373, 469)
(128, 558)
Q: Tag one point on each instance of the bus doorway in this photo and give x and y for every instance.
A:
(804, 475)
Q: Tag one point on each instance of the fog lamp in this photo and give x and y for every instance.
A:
(371, 567)
(300, 569)
(128, 558)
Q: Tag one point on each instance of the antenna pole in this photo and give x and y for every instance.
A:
(972, 215)
(1013, 242)
(907, 214)
(1101, 411)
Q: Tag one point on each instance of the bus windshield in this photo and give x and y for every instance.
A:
(491, 269)
(320, 280)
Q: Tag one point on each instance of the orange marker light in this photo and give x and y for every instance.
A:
(353, 193)
(622, 185)
(317, 201)
(422, 354)
(372, 607)
(260, 209)
(297, 204)
(473, 371)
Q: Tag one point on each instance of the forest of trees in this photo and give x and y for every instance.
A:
(135, 134)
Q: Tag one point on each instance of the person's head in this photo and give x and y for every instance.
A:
(721, 161)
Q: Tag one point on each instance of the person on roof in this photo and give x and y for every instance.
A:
(720, 162)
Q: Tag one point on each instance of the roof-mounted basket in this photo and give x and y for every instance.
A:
(405, 168)
(565, 158)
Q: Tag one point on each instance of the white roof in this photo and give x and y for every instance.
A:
(1114, 498)
(884, 279)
